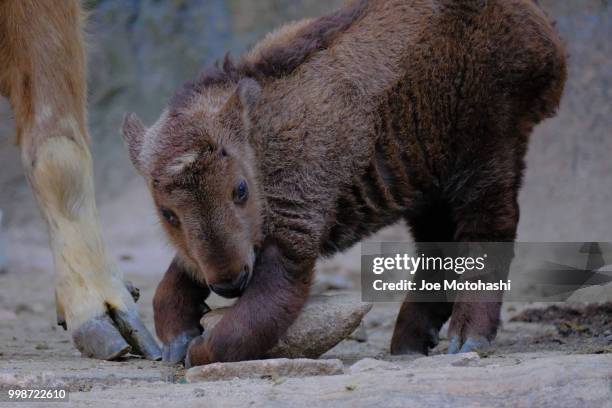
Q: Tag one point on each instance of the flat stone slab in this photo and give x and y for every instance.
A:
(271, 368)
(446, 360)
(371, 364)
(324, 322)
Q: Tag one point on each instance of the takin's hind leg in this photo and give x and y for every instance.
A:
(43, 75)
(418, 323)
(488, 213)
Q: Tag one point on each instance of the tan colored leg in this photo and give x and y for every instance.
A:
(45, 83)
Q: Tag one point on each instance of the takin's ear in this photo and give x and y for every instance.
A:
(133, 131)
(248, 92)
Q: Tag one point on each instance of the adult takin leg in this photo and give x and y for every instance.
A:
(43, 75)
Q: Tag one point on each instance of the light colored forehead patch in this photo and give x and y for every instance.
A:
(181, 162)
(208, 104)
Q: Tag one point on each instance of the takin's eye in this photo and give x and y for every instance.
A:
(170, 216)
(241, 192)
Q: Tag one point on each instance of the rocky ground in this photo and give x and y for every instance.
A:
(556, 357)
(531, 364)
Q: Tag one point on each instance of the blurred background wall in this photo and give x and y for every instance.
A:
(141, 50)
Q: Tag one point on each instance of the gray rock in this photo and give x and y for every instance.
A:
(330, 281)
(272, 368)
(325, 321)
(360, 334)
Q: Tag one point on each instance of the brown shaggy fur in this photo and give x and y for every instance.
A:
(384, 110)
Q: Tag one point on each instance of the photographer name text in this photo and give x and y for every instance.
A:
(447, 285)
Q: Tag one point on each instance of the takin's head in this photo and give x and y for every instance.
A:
(201, 172)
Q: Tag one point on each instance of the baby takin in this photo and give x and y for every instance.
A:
(328, 130)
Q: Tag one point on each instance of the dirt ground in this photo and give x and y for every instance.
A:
(35, 351)
(558, 353)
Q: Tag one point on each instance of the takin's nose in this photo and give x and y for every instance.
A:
(234, 288)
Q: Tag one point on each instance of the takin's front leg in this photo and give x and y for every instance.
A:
(178, 306)
(43, 75)
(264, 312)
(91, 295)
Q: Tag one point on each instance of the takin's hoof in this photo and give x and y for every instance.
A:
(470, 344)
(99, 338)
(411, 343)
(175, 351)
(61, 320)
(111, 336)
(136, 334)
(114, 334)
(195, 347)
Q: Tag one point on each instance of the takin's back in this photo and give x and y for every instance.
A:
(470, 50)
(462, 83)
(469, 70)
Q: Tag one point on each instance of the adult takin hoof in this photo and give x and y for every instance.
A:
(99, 338)
(114, 333)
